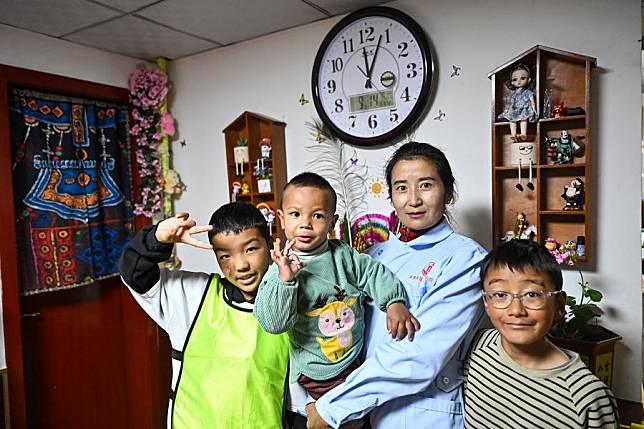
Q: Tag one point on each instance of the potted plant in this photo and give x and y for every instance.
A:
(578, 329)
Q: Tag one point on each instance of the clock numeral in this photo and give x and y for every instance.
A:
(348, 46)
(337, 64)
(403, 49)
(338, 105)
(366, 35)
(413, 73)
(331, 85)
(405, 94)
(393, 116)
(387, 36)
(372, 122)
(352, 118)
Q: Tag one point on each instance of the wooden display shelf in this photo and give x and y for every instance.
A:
(562, 212)
(567, 75)
(254, 127)
(563, 118)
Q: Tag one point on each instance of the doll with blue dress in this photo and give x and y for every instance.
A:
(521, 107)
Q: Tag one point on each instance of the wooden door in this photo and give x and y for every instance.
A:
(82, 358)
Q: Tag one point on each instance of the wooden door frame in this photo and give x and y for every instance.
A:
(141, 336)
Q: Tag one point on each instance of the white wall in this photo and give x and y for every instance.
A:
(267, 76)
(36, 52)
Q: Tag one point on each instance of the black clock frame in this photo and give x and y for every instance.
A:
(422, 105)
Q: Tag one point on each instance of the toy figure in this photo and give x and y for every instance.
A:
(522, 154)
(522, 229)
(571, 245)
(565, 148)
(574, 195)
(557, 109)
(240, 154)
(245, 189)
(521, 107)
(265, 146)
(269, 214)
(550, 244)
(236, 190)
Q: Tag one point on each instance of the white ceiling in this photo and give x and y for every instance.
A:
(172, 29)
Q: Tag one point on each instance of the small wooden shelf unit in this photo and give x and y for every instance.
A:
(254, 127)
(567, 75)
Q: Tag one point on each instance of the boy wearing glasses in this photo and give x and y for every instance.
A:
(515, 377)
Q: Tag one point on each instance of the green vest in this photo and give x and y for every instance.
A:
(233, 374)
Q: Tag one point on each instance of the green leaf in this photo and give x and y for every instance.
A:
(594, 295)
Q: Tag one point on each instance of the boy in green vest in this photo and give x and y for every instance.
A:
(227, 372)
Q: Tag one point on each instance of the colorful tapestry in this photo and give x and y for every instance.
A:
(72, 189)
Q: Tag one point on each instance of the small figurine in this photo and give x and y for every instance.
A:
(561, 150)
(550, 244)
(522, 154)
(557, 109)
(574, 195)
(240, 154)
(245, 189)
(265, 146)
(521, 107)
(269, 214)
(571, 246)
(522, 229)
(236, 190)
(520, 225)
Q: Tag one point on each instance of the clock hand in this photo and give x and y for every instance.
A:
(362, 71)
(366, 66)
(373, 61)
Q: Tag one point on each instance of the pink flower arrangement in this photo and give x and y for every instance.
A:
(148, 88)
(167, 124)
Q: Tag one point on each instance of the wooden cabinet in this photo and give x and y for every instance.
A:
(564, 77)
(259, 190)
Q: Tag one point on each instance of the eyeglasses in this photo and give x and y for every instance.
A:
(532, 300)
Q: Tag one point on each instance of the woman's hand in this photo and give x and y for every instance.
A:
(180, 229)
(289, 264)
(314, 420)
(399, 320)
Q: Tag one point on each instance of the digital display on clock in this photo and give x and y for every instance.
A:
(371, 100)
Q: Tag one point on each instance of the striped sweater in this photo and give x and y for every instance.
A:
(499, 393)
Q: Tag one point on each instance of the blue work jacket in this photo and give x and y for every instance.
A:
(417, 384)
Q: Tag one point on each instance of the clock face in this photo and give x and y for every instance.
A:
(372, 76)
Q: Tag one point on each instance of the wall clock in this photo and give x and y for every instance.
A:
(372, 76)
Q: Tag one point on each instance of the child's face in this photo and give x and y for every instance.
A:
(520, 78)
(243, 258)
(518, 325)
(307, 216)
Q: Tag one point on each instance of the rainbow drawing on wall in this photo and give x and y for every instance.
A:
(369, 229)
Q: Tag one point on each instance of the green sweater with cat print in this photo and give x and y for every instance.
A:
(322, 308)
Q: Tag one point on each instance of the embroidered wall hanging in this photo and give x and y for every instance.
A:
(72, 189)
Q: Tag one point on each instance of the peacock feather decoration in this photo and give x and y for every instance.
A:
(338, 163)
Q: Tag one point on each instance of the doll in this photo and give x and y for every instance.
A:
(265, 146)
(522, 106)
(574, 195)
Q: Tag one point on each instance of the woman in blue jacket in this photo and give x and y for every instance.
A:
(416, 384)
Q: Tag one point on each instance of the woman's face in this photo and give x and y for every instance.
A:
(418, 193)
